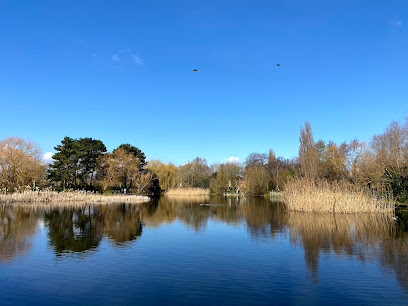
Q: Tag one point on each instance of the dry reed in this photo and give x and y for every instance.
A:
(188, 191)
(48, 196)
(338, 197)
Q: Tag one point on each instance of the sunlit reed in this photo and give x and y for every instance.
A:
(338, 197)
(188, 191)
(49, 196)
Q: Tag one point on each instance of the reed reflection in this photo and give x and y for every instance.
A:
(80, 228)
(194, 212)
(263, 218)
(359, 236)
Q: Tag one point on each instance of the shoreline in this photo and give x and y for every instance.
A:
(54, 197)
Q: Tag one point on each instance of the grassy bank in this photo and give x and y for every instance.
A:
(338, 197)
(48, 196)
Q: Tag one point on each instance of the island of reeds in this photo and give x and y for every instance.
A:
(354, 176)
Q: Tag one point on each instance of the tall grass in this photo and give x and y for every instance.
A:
(49, 196)
(188, 191)
(339, 197)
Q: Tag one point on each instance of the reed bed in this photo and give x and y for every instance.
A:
(49, 196)
(339, 197)
(188, 191)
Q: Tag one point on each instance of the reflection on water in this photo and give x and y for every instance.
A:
(363, 237)
(82, 228)
(17, 224)
(352, 235)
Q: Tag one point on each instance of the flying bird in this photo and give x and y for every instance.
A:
(195, 70)
(278, 65)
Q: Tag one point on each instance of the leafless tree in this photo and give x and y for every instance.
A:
(308, 156)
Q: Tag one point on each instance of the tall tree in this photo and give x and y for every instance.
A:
(65, 162)
(308, 155)
(256, 159)
(219, 182)
(89, 150)
(195, 173)
(135, 151)
(233, 171)
(120, 169)
(167, 174)
(391, 152)
(75, 161)
(354, 156)
(256, 180)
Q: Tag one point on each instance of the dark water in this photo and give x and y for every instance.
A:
(180, 252)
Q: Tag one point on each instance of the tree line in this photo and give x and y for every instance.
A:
(84, 163)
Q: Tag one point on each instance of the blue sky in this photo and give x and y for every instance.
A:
(122, 72)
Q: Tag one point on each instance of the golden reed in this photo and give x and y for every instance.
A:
(48, 196)
(188, 191)
(338, 197)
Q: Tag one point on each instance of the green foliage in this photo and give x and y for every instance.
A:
(75, 162)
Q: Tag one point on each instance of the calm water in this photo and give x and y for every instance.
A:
(233, 251)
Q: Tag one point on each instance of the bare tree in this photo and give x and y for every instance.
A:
(390, 150)
(195, 173)
(256, 180)
(256, 159)
(308, 156)
(354, 156)
(118, 169)
(20, 162)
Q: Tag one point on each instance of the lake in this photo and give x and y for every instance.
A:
(209, 250)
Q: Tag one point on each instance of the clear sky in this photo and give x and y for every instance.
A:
(122, 72)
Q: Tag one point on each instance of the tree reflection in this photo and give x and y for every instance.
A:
(122, 223)
(75, 230)
(82, 228)
(263, 218)
(17, 225)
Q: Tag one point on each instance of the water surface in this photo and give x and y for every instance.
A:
(174, 250)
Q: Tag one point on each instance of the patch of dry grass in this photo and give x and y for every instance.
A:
(48, 196)
(187, 191)
(339, 197)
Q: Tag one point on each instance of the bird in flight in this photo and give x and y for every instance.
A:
(195, 70)
(278, 65)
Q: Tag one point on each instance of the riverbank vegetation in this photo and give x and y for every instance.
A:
(52, 197)
(341, 197)
(350, 177)
(85, 164)
(188, 191)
